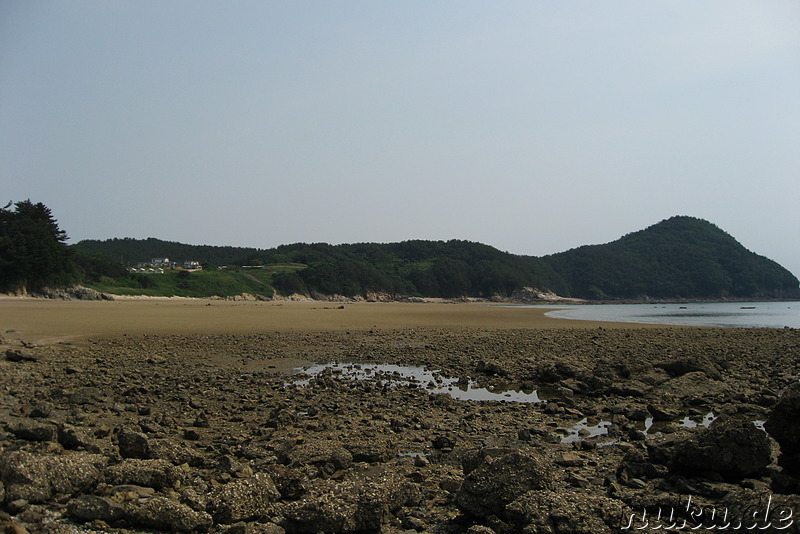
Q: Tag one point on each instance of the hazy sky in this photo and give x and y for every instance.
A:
(531, 126)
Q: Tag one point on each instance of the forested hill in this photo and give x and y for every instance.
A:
(682, 257)
(679, 257)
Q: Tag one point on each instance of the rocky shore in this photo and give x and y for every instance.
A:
(214, 433)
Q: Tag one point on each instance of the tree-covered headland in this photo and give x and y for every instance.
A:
(681, 257)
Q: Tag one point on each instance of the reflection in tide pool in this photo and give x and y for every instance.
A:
(651, 426)
(583, 430)
(693, 422)
(410, 375)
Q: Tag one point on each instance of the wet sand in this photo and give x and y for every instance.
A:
(45, 322)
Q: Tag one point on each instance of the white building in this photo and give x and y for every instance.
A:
(162, 262)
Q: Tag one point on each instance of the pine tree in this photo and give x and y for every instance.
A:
(33, 250)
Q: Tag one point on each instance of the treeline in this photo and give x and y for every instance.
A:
(425, 268)
(129, 252)
(416, 268)
(682, 257)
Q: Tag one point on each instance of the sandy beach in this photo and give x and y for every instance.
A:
(45, 321)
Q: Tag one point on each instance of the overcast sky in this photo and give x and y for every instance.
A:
(531, 126)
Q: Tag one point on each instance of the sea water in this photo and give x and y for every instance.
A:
(723, 314)
(411, 375)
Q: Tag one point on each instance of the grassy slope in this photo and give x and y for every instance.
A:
(194, 284)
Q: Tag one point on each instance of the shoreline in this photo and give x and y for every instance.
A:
(43, 321)
(385, 298)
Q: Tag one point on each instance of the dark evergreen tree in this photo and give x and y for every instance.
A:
(33, 250)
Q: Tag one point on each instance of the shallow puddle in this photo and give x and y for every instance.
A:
(648, 426)
(693, 422)
(582, 430)
(392, 375)
(410, 375)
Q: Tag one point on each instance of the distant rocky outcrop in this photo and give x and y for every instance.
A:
(532, 294)
(245, 297)
(72, 293)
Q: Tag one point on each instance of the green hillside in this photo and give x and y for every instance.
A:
(682, 257)
(415, 268)
(183, 283)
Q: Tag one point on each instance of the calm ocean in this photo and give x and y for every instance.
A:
(725, 314)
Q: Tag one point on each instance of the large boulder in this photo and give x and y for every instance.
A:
(165, 514)
(71, 437)
(133, 444)
(327, 456)
(690, 364)
(783, 424)
(637, 465)
(491, 486)
(567, 512)
(243, 499)
(732, 448)
(784, 420)
(35, 430)
(364, 501)
(374, 450)
(473, 458)
(93, 507)
(21, 355)
(73, 293)
(291, 483)
(150, 473)
(137, 445)
(36, 478)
